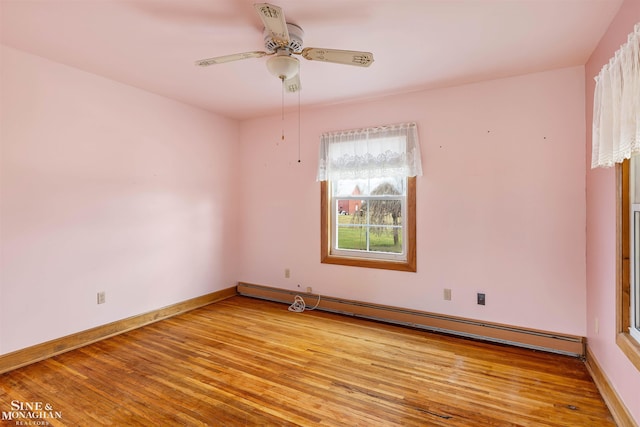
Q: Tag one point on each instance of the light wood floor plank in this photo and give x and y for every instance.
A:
(249, 362)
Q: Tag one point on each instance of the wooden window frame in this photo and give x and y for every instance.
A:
(326, 257)
(629, 346)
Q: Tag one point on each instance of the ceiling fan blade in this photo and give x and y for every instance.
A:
(274, 22)
(229, 58)
(348, 57)
(293, 84)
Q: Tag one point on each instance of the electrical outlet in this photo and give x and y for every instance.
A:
(287, 273)
(102, 297)
(447, 294)
(481, 299)
(309, 290)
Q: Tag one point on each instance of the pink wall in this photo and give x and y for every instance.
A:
(106, 187)
(601, 226)
(500, 206)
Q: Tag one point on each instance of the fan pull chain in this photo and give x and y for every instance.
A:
(282, 78)
(299, 132)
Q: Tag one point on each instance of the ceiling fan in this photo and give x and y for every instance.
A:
(282, 41)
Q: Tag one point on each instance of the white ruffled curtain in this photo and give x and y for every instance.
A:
(369, 153)
(616, 106)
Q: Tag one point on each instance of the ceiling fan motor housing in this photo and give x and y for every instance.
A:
(295, 39)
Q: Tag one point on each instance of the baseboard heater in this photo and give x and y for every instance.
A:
(522, 337)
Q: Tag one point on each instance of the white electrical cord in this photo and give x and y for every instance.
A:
(299, 305)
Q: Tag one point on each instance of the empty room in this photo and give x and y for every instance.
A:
(374, 213)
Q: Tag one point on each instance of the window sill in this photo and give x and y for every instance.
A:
(630, 347)
(370, 263)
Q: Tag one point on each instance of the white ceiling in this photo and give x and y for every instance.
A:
(417, 44)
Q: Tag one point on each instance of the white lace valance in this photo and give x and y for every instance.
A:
(616, 106)
(368, 153)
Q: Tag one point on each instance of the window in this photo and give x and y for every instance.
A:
(368, 197)
(634, 250)
(628, 286)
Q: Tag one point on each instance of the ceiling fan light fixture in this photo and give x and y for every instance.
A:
(283, 67)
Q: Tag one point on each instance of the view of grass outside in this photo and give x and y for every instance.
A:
(352, 235)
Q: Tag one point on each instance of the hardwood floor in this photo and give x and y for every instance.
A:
(249, 362)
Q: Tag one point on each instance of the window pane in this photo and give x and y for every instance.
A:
(350, 187)
(634, 226)
(365, 187)
(352, 237)
(383, 212)
(634, 178)
(348, 207)
(635, 269)
(385, 239)
(369, 221)
(388, 186)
